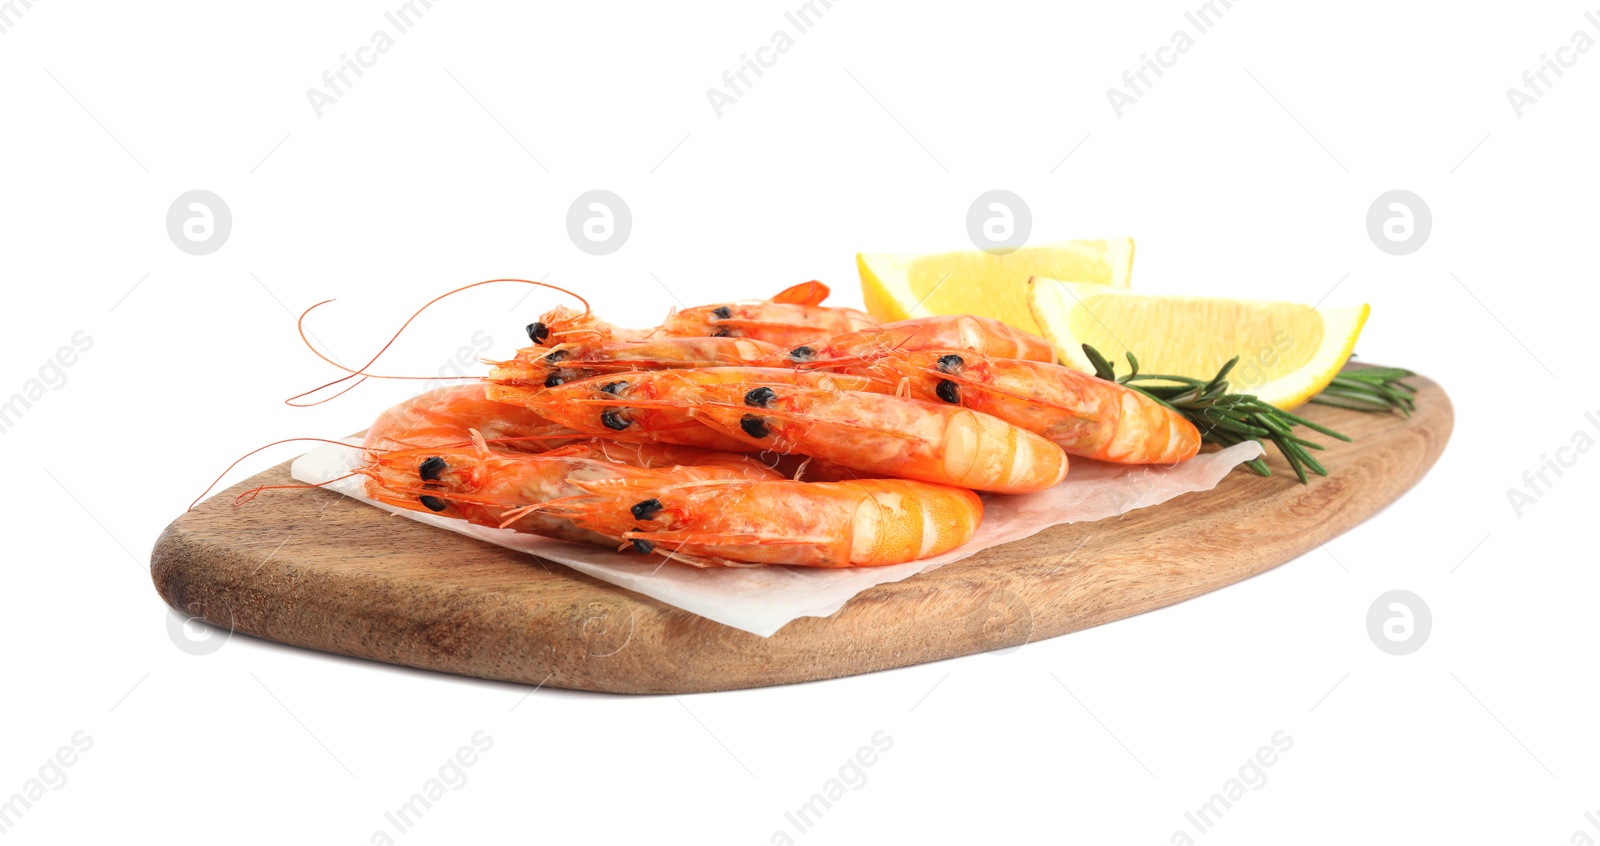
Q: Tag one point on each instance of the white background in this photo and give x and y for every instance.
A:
(1246, 170)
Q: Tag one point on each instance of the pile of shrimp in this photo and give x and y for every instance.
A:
(751, 433)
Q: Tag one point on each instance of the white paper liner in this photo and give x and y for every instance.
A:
(761, 600)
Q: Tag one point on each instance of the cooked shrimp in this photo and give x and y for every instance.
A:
(707, 508)
(568, 362)
(795, 316)
(798, 307)
(659, 416)
(948, 332)
(876, 434)
(482, 485)
(887, 435)
(866, 523)
(455, 452)
(1082, 414)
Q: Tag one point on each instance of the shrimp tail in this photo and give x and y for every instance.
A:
(806, 293)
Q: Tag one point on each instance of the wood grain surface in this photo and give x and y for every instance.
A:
(326, 572)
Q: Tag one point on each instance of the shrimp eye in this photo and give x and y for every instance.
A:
(950, 363)
(646, 510)
(615, 419)
(643, 546)
(431, 469)
(538, 332)
(432, 502)
(948, 391)
(753, 426)
(553, 380)
(614, 388)
(556, 355)
(760, 398)
(722, 333)
(722, 313)
(802, 353)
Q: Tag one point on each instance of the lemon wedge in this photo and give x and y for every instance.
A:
(901, 286)
(1287, 352)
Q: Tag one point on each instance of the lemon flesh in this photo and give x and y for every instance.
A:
(901, 286)
(1287, 352)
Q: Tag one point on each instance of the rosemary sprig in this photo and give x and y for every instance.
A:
(1228, 418)
(1376, 389)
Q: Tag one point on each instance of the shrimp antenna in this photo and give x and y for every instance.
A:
(248, 495)
(361, 372)
(404, 446)
(266, 487)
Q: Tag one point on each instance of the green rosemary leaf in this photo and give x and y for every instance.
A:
(1219, 381)
(1294, 460)
(1381, 384)
(1102, 368)
(1352, 403)
(1229, 425)
(1316, 427)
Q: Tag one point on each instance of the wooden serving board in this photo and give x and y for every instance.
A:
(323, 571)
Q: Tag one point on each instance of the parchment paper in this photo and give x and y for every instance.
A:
(761, 600)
